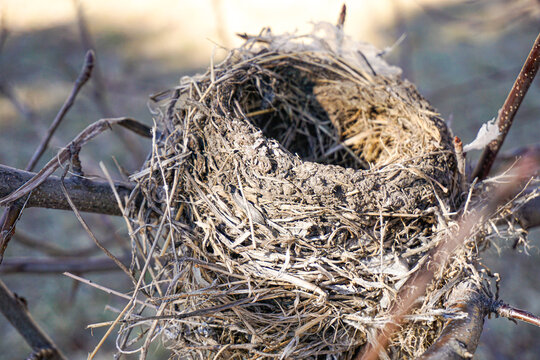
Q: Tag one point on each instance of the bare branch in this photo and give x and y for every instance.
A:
(507, 311)
(66, 153)
(59, 265)
(509, 110)
(14, 309)
(12, 213)
(88, 195)
(23, 109)
(53, 250)
(4, 32)
(83, 77)
(100, 89)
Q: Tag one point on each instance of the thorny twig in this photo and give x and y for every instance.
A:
(509, 110)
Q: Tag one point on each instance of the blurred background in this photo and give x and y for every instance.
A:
(463, 55)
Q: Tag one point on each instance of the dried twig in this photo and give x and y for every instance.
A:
(100, 89)
(90, 233)
(509, 110)
(14, 309)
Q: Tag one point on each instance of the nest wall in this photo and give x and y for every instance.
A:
(290, 193)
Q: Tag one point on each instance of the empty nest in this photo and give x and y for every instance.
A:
(291, 191)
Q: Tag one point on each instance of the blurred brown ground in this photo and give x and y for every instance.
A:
(463, 55)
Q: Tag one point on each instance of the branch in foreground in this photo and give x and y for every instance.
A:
(88, 195)
(15, 311)
(509, 110)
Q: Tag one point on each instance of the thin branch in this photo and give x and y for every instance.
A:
(23, 109)
(100, 90)
(88, 195)
(90, 233)
(509, 110)
(507, 311)
(14, 309)
(13, 212)
(55, 265)
(55, 250)
(4, 32)
(84, 75)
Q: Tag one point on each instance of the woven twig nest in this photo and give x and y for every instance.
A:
(290, 193)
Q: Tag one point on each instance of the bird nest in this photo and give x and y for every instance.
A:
(290, 193)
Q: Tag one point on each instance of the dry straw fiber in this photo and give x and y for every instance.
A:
(291, 191)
